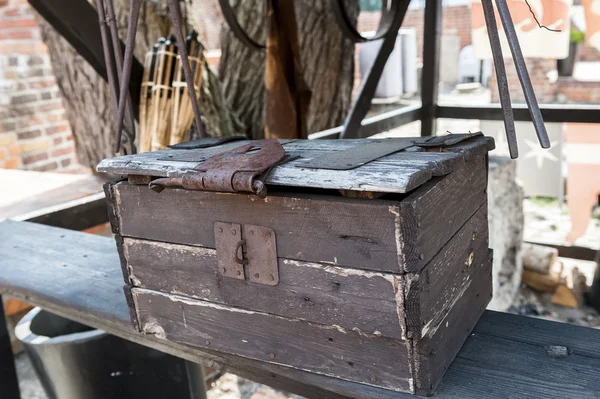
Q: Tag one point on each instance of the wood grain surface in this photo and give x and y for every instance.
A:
(381, 235)
(77, 276)
(432, 214)
(440, 344)
(353, 299)
(331, 295)
(326, 350)
(400, 172)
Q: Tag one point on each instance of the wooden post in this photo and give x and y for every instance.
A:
(432, 32)
(9, 386)
(593, 295)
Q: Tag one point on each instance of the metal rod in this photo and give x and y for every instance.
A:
(515, 48)
(175, 14)
(509, 120)
(134, 14)
(431, 66)
(108, 61)
(116, 46)
(361, 106)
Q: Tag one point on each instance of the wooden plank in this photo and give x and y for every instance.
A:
(325, 350)
(429, 294)
(355, 300)
(432, 214)
(312, 228)
(397, 173)
(440, 345)
(381, 235)
(505, 356)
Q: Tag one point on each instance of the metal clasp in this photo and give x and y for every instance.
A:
(247, 251)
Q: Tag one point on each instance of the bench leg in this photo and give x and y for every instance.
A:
(195, 373)
(9, 385)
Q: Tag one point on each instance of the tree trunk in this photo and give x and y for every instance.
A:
(86, 97)
(327, 60)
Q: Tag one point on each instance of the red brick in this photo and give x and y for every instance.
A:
(57, 141)
(50, 106)
(14, 149)
(53, 165)
(57, 129)
(30, 121)
(33, 158)
(7, 126)
(29, 134)
(65, 162)
(17, 23)
(17, 34)
(55, 117)
(49, 81)
(12, 163)
(24, 98)
(62, 151)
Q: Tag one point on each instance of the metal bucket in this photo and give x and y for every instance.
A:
(74, 361)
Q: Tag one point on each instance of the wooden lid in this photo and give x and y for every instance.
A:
(317, 163)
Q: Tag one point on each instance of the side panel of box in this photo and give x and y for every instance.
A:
(327, 350)
(431, 291)
(334, 230)
(435, 352)
(354, 299)
(431, 215)
(364, 301)
(380, 235)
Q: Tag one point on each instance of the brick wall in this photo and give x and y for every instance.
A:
(34, 133)
(456, 21)
(540, 72)
(573, 91)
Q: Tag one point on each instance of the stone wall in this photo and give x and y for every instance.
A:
(505, 215)
(34, 133)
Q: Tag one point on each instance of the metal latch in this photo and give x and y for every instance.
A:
(238, 170)
(247, 251)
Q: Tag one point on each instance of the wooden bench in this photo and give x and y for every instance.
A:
(78, 276)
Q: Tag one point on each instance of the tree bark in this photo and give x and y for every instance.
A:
(327, 60)
(86, 97)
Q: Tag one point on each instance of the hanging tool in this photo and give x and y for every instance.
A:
(113, 61)
(503, 88)
(182, 113)
(515, 49)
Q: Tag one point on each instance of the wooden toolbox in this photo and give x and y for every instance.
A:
(364, 260)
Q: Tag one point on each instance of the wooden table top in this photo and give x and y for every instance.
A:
(78, 276)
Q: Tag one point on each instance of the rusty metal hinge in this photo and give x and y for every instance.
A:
(237, 170)
(247, 250)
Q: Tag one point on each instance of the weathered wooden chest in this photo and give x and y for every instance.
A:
(363, 260)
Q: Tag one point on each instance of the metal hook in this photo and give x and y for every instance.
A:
(391, 24)
(236, 28)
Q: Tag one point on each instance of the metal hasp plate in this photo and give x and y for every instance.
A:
(206, 142)
(359, 155)
(374, 149)
(229, 243)
(236, 170)
(248, 245)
